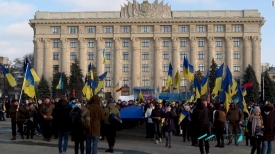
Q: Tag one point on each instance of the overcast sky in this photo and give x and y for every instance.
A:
(16, 35)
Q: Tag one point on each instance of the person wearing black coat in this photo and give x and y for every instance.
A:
(61, 114)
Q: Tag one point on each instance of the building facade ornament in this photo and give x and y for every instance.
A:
(116, 29)
(174, 28)
(228, 28)
(117, 42)
(210, 28)
(98, 29)
(81, 42)
(157, 29)
(145, 10)
(47, 42)
(133, 29)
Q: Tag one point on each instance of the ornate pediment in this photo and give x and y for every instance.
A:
(146, 10)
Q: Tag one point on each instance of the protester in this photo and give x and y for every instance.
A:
(30, 121)
(46, 110)
(219, 125)
(61, 114)
(150, 124)
(269, 128)
(97, 115)
(38, 118)
(156, 117)
(255, 126)
(185, 124)
(109, 126)
(168, 125)
(2, 111)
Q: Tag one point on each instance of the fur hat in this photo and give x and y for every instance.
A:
(257, 109)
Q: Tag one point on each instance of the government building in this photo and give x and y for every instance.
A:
(142, 39)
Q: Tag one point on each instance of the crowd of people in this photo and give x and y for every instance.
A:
(93, 120)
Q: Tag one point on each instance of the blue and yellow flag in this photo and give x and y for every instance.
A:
(177, 80)
(191, 98)
(104, 56)
(241, 102)
(28, 84)
(186, 73)
(244, 92)
(87, 90)
(60, 83)
(204, 83)
(27, 63)
(197, 88)
(234, 88)
(169, 81)
(191, 72)
(116, 87)
(99, 86)
(85, 85)
(9, 77)
(90, 70)
(184, 114)
(218, 82)
(102, 76)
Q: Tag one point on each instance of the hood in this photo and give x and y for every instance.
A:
(62, 104)
(95, 100)
(111, 106)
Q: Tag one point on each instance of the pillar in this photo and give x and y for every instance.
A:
(193, 53)
(247, 59)
(47, 61)
(175, 58)
(82, 54)
(136, 72)
(229, 52)
(38, 61)
(99, 56)
(211, 50)
(117, 67)
(256, 58)
(64, 56)
(158, 63)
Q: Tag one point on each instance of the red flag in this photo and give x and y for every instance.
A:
(247, 85)
(118, 90)
(73, 93)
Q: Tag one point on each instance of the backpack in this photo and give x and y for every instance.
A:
(75, 116)
(222, 116)
(85, 117)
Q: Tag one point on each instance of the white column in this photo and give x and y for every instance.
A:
(82, 54)
(256, 58)
(64, 57)
(38, 61)
(117, 67)
(193, 53)
(211, 50)
(229, 52)
(135, 63)
(47, 61)
(175, 58)
(158, 63)
(99, 57)
(247, 59)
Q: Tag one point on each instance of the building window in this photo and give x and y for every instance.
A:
(201, 28)
(145, 29)
(90, 55)
(145, 43)
(183, 42)
(236, 55)
(145, 81)
(165, 55)
(236, 68)
(125, 56)
(73, 56)
(201, 67)
(125, 29)
(165, 43)
(166, 29)
(56, 43)
(108, 43)
(125, 81)
(55, 55)
(90, 29)
(181, 67)
(145, 67)
(183, 29)
(165, 67)
(201, 55)
(218, 55)
(164, 81)
(182, 55)
(237, 28)
(182, 82)
(55, 69)
(108, 68)
(236, 42)
(125, 43)
(108, 29)
(125, 68)
(108, 82)
(145, 55)
(73, 30)
(56, 30)
(219, 28)
(218, 42)
(91, 43)
(73, 43)
(108, 55)
(201, 42)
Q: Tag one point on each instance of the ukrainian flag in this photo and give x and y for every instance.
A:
(186, 69)
(102, 76)
(9, 77)
(27, 63)
(230, 81)
(104, 56)
(116, 86)
(234, 88)
(87, 90)
(191, 99)
(90, 70)
(197, 88)
(184, 114)
(177, 80)
(204, 84)
(191, 72)
(60, 83)
(99, 86)
(28, 84)
(218, 82)
(169, 77)
(244, 92)
(241, 102)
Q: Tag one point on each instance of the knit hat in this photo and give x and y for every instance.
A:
(78, 105)
(186, 107)
(257, 109)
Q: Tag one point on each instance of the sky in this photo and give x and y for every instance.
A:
(16, 36)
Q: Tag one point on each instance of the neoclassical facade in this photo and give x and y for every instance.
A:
(142, 39)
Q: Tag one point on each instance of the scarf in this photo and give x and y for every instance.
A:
(256, 121)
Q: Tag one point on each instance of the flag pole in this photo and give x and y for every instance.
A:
(23, 84)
